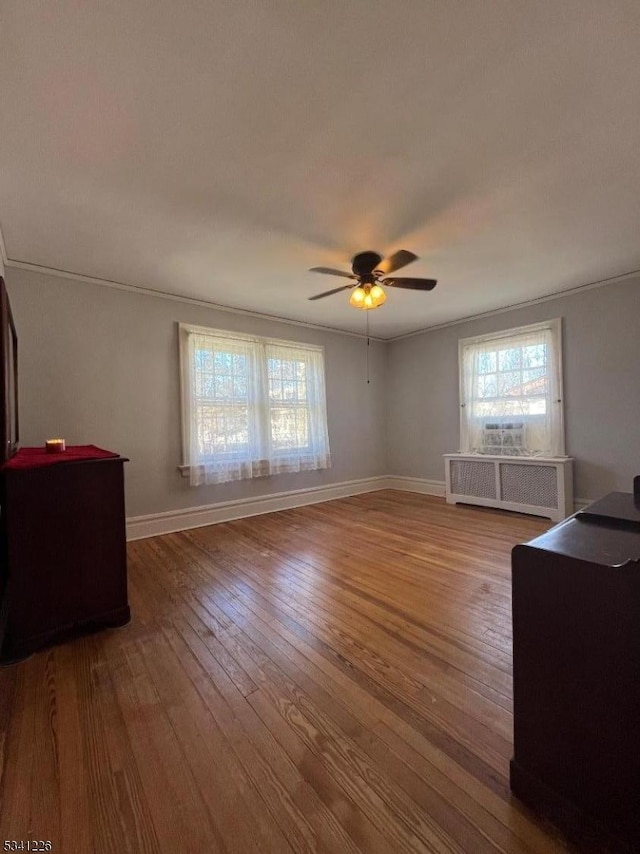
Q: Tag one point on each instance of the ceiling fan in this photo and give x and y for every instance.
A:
(368, 271)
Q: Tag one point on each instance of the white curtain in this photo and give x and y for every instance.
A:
(298, 439)
(511, 393)
(252, 406)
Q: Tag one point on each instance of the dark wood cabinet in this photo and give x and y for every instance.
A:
(63, 544)
(576, 660)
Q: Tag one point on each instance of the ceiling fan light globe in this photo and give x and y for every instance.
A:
(378, 295)
(357, 297)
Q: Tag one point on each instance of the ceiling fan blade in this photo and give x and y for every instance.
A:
(399, 259)
(334, 291)
(329, 271)
(411, 284)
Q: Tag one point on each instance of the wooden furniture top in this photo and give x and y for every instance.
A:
(606, 541)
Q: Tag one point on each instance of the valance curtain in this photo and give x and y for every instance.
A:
(511, 392)
(252, 406)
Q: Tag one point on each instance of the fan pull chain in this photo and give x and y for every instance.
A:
(368, 343)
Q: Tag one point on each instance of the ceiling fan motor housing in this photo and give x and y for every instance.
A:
(364, 263)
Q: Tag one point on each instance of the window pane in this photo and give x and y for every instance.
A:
(222, 362)
(509, 359)
(487, 386)
(203, 360)
(223, 389)
(221, 402)
(289, 391)
(537, 406)
(534, 381)
(207, 386)
(510, 383)
(240, 387)
(239, 364)
(534, 356)
(273, 367)
(486, 362)
(481, 409)
(284, 376)
(222, 429)
(288, 371)
(289, 428)
(289, 410)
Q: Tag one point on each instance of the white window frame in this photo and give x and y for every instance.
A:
(555, 327)
(184, 330)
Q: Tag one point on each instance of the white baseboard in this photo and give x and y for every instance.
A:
(417, 484)
(139, 527)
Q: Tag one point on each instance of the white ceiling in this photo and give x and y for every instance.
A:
(217, 150)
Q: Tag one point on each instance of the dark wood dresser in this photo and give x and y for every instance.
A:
(63, 551)
(576, 673)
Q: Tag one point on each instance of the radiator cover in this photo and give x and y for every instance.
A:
(536, 485)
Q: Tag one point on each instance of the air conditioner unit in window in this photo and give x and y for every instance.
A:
(504, 438)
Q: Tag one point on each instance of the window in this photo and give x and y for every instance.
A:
(250, 406)
(511, 392)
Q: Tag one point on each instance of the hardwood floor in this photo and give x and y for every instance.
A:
(335, 678)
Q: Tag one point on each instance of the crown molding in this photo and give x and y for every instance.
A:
(612, 280)
(150, 292)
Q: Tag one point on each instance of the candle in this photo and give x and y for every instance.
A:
(55, 446)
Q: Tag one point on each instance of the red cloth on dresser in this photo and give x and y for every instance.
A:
(34, 458)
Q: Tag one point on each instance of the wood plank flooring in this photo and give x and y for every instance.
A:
(335, 678)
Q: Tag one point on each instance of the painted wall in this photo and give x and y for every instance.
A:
(100, 366)
(601, 358)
